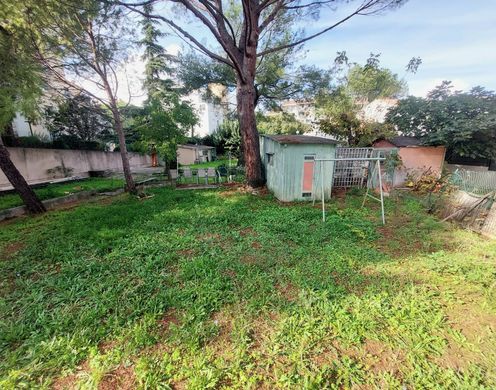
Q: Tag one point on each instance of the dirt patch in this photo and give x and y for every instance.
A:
(248, 259)
(248, 231)
(214, 239)
(456, 357)
(65, 383)
(182, 385)
(121, 378)
(209, 237)
(187, 253)
(256, 245)
(70, 381)
(11, 249)
(472, 323)
(230, 273)
(381, 358)
(288, 291)
(221, 344)
(170, 318)
(106, 346)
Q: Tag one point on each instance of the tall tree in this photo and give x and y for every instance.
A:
(165, 118)
(340, 110)
(253, 40)
(20, 90)
(81, 45)
(463, 121)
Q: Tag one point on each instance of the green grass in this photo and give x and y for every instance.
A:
(213, 164)
(220, 289)
(55, 190)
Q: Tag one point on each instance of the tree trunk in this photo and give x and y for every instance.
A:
(130, 185)
(245, 97)
(33, 204)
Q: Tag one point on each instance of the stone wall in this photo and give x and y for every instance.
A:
(41, 165)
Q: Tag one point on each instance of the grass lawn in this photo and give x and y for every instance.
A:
(220, 289)
(61, 189)
(213, 164)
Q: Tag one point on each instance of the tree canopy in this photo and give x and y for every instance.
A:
(79, 118)
(463, 121)
(340, 110)
(20, 73)
(281, 123)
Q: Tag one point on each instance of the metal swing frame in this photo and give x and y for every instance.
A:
(377, 161)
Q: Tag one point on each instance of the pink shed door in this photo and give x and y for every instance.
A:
(308, 167)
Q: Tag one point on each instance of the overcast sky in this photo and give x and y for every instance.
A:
(456, 40)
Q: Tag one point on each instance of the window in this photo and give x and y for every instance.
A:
(270, 158)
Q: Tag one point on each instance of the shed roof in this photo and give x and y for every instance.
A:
(199, 147)
(300, 139)
(402, 141)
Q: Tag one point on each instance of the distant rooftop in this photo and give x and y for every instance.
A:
(191, 146)
(300, 139)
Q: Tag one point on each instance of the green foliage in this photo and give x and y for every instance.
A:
(371, 82)
(227, 139)
(78, 118)
(340, 109)
(280, 123)
(207, 289)
(20, 74)
(163, 122)
(463, 121)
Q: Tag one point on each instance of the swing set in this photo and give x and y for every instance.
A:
(374, 175)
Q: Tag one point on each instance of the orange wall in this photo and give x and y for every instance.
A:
(417, 160)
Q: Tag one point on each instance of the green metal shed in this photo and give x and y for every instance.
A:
(290, 167)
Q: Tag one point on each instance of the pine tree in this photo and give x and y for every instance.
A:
(165, 119)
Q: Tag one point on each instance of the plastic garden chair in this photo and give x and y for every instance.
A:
(211, 173)
(222, 172)
(173, 174)
(187, 174)
(202, 173)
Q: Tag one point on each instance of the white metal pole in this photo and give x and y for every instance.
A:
(382, 195)
(322, 187)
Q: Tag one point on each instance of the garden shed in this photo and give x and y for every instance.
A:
(291, 169)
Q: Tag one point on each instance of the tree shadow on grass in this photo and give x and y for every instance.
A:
(103, 272)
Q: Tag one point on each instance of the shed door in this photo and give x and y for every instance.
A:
(308, 167)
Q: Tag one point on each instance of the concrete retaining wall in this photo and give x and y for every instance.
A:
(39, 165)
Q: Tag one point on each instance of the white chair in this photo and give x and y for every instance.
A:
(211, 172)
(173, 174)
(202, 173)
(187, 174)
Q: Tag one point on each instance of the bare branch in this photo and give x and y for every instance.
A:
(185, 34)
(367, 5)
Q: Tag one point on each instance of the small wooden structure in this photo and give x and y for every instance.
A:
(194, 154)
(290, 169)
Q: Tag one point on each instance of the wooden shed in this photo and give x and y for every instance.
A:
(290, 168)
